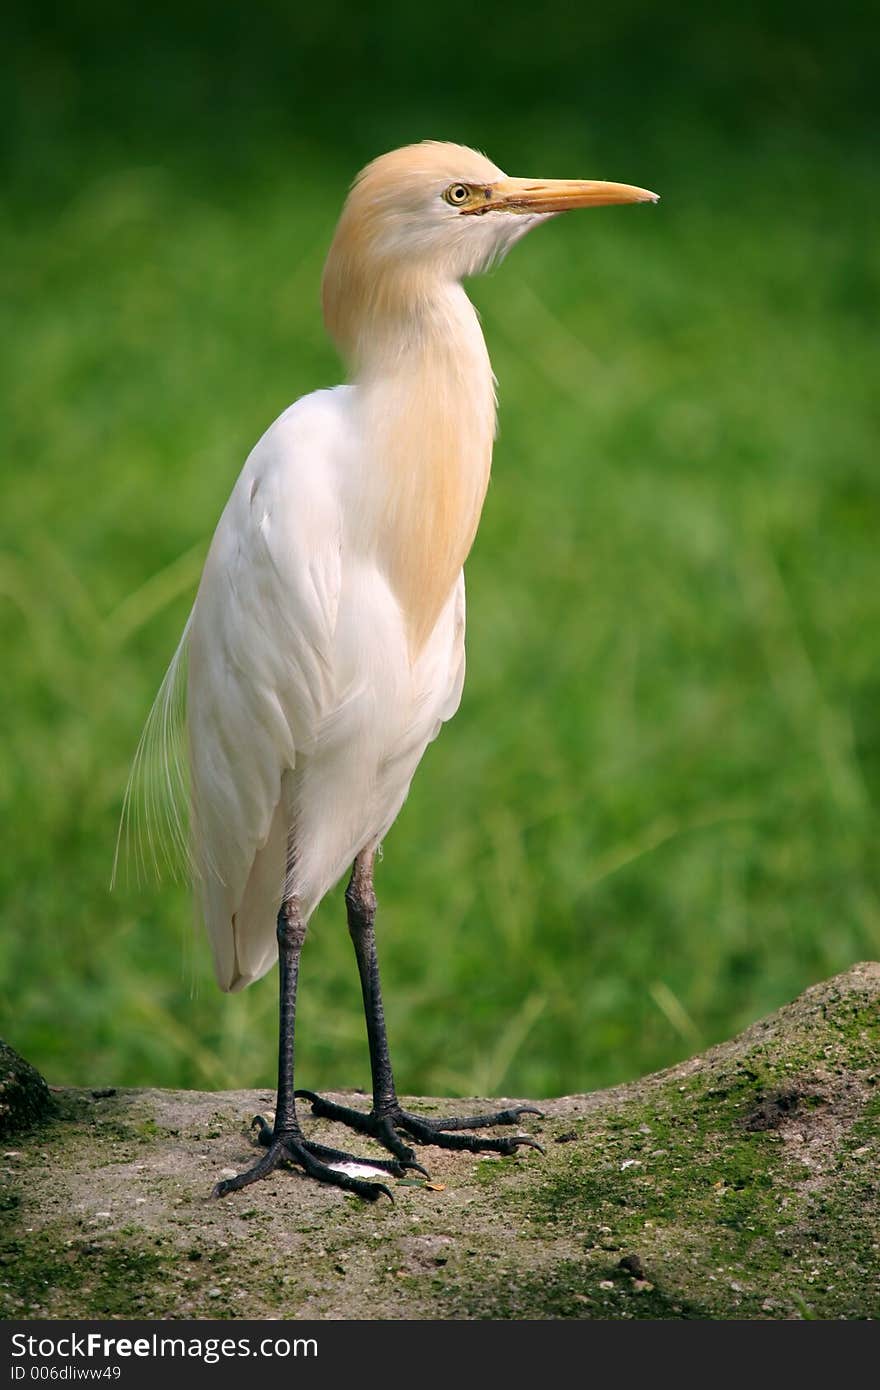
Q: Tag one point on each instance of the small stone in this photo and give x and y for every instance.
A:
(642, 1285)
(214, 1293)
(228, 1173)
(606, 1284)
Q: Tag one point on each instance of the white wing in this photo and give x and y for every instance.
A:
(253, 670)
(260, 677)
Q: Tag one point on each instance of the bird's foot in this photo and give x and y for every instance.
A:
(383, 1127)
(317, 1161)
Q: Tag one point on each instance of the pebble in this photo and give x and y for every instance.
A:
(228, 1173)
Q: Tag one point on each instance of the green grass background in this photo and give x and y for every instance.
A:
(655, 816)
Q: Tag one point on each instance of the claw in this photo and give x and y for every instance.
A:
(529, 1142)
(418, 1168)
(510, 1117)
(513, 1146)
(266, 1133)
(307, 1095)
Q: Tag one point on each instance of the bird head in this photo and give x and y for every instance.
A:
(438, 212)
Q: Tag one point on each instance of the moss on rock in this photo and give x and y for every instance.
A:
(739, 1184)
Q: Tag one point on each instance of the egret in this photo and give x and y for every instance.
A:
(325, 647)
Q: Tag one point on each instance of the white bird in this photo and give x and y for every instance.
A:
(325, 648)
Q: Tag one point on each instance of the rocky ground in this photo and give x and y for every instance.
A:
(741, 1184)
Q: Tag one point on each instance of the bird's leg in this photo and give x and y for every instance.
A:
(360, 903)
(387, 1115)
(285, 1141)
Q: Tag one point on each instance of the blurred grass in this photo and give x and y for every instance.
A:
(655, 816)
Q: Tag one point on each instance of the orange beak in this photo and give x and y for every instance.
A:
(556, 195)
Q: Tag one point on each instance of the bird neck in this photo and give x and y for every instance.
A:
(427, 394)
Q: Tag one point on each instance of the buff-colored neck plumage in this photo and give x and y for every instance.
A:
(427, 410)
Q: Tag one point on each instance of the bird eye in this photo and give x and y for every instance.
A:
(457, 194)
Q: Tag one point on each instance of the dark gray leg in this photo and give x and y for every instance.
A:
(291, 932)
(360, 902)
(387, 1116)
(285, 1141)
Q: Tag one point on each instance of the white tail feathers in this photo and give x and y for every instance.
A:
(154, 828)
